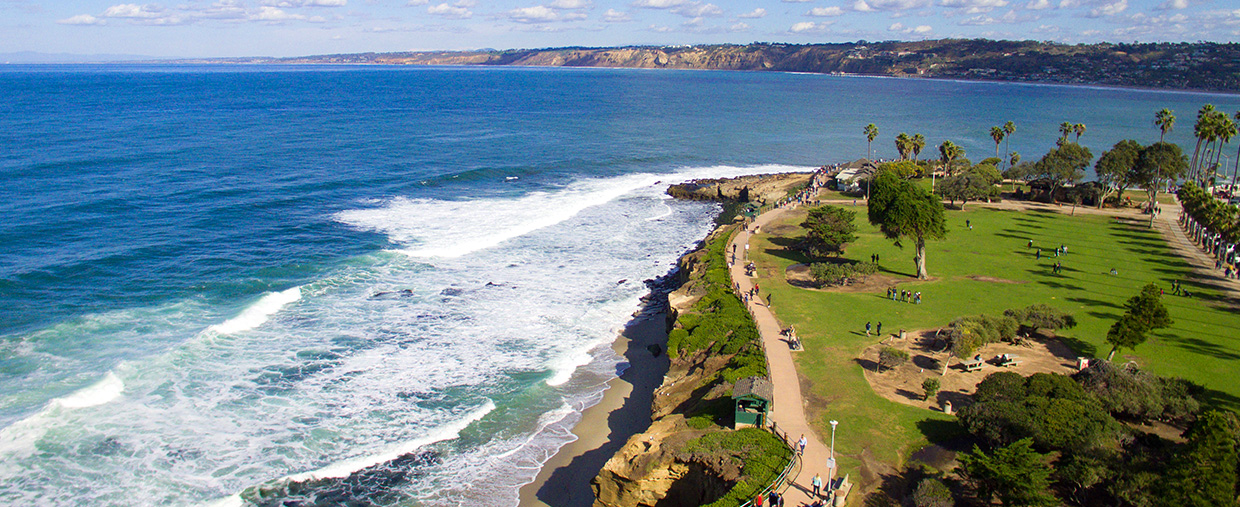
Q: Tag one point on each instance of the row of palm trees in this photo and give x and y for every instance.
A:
(1213, 130)
(1068, 128)
(1212, 223)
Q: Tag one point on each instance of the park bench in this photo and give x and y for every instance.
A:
(973, 364)
(1008, 360)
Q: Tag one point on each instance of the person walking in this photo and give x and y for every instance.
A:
(878, 330)
(801, 445)
(867, 329)
(1038, 254)
(816, 483)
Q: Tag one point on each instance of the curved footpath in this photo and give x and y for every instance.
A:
(789, 410)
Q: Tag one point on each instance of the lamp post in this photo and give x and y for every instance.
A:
(831, 466)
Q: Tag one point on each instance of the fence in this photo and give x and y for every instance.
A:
(787, 472)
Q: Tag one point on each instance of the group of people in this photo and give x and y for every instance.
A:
(906, 296)
(877, 331)
(793, 341)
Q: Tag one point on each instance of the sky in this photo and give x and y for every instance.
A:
(234, 28)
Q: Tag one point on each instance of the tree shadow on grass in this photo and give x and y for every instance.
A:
(1094, 302)
(787, 250)
(1205, 348)
(1218, 399)
(1082, 348)
(948, 434)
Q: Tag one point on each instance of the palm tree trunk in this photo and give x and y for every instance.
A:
(920, 259)
(1234, 171)
(1112, 354)
(1192, 165)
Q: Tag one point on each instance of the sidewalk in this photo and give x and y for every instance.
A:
(789, 411)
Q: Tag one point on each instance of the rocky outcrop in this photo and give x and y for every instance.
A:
(759, 189)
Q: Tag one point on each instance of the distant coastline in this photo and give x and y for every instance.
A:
(1196, 67)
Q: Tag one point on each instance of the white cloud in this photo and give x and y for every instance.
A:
(796, 1)
(696, 10)
(888, 5)
(739, 27)
(570, 4)
(449, 11)
(916, 30)
(615, 16)
(542, 14)
(896, 27)
(661, 29)
(756, 13)
(810, 27)
(1173, 4)
(982, 19)
(659, 4)
(922, 29)
(974, 6)
(823, 12)
(412, 3)
(81, 19)
(273, 14)
(132, 11)
(1110, 9)
(1038, 5)
(304, 3)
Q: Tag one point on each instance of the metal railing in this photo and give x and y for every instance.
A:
(784, 475)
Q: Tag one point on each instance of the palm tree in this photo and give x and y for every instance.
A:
(1079, 129)
(871, 132)
(903, 145)
(919, 142)
(1165, 121)
(1200, 130)
(1065, 129)
(1009, 128)
(997, 134)
(1013, 159)
(1237, 169)
(948, 152)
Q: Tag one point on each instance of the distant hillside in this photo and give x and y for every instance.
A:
(1199, 66)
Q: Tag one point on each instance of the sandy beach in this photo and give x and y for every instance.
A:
(623, 412)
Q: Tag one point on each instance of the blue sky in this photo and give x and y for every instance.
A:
(198, 28)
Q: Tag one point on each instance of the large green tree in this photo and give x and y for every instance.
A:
(902, 211)
(1116, 169)
(971, 185)
(1157, 163)
(1062, 165)
(828, 229)
(1017, 474)
(1204, 474)
(1145, 312)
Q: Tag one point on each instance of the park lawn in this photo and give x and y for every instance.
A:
(1201, 345)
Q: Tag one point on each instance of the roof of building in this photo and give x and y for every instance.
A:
(754, 386)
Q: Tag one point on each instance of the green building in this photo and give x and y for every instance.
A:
(754, 397)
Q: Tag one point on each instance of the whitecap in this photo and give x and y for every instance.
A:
(259, 312)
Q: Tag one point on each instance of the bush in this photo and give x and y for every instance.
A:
(967, 334)
(930, 386)
(841, 273)
(932, 492)
(1040, 316)
(1125, 391)
(760, 457)
(891, 357)
(1053, 410)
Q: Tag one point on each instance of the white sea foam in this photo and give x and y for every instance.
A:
(259, 312)
(429, 228)
(108, 389)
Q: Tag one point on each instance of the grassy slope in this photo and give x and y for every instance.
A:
(1201, 346)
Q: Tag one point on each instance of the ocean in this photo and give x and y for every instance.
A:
(392, 286)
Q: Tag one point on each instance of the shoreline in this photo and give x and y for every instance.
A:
(625, 410)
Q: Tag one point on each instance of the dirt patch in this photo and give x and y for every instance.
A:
(798, 276)
(993, 279)
(927, 353)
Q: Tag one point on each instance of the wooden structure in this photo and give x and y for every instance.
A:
(754, 398)
(974, 364)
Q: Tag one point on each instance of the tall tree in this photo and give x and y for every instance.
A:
(1079, 129)
(919, 143)
(1201, 130)
(1204, 474)
(828, 229)
(903, 145)
(1009, 128)
(948, 153)
(972, 184)
(1063, 164)
(1145, 312)
(871, 132)
(903, 211)
(1157, 163)
(1237, 166)
(1165, 121)
(1224, 130)
(1065, 129)
(1017, 474)
(997, 134)
(1116, 169)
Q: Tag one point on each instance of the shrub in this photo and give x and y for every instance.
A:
(1053, 410)
(967, 334)
(1125, 391)
(891, 357)
(1041, 316)
(930, 386)
(841, 273)
(932, 492)
(760, 457)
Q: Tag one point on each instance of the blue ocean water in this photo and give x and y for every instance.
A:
(221, 277)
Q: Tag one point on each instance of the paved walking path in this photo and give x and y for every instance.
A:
(1168, 224)
(789, 410)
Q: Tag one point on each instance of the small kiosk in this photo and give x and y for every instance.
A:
(754, 397)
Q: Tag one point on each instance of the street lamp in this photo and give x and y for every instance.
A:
(833, 425)
(831, 465)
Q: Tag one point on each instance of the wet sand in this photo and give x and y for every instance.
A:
(624, 411)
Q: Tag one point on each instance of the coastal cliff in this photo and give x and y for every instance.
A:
(1199, 66)
(688, 456)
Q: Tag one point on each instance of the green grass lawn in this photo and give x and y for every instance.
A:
(1202, 345)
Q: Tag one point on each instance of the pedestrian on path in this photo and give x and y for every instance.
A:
(816, 483)
(1036, 255)
(879, 330)
(801, 445)
(867, 329)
